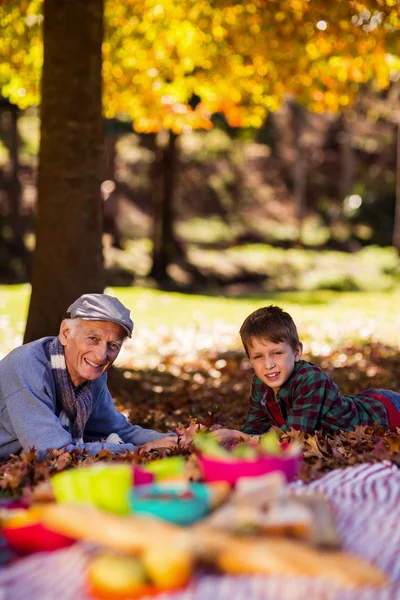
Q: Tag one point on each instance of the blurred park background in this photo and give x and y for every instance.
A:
(199, 160)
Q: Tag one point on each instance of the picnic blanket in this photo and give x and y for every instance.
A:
(366, 502)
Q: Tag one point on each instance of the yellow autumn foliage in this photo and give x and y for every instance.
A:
(237, 58)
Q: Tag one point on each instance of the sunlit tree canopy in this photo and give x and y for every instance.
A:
(173, 63)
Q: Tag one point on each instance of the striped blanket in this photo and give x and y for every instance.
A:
(366, 503)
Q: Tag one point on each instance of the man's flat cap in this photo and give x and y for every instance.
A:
(101, 307)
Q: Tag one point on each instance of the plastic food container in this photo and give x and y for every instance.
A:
(216, 469)
(171, 468)
(105, 486)
(183, 504)
(25, 534)
(141, 476)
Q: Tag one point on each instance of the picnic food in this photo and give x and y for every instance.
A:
(280, 556)
(130, 534)
(265, 505)
(248, 459)
(168, 553)
(286, 517)
(162, 547)
(267, 445)
(112, 576)
(168, 567)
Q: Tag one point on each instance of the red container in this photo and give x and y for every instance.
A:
(216, 469)
(34, 538)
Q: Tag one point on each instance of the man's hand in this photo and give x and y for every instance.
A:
(165, 443)
(225, 436)
(186, 434)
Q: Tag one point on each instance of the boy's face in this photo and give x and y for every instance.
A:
(273, 362)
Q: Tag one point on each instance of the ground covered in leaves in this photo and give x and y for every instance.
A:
(209, 382)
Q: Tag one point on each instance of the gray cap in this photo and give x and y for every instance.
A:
(100, 307)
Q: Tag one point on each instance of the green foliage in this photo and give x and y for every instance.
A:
(313, 231)
(269, 443)
(214, 230)
(205, 148)
(3, 154)
(28, 128)
(208, 445)
(274, 269)
(297, 269)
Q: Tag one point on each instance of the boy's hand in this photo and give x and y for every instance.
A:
(230, 435)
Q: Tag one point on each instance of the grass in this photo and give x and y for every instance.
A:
(371, 268)
(14, 301)
(321, 316)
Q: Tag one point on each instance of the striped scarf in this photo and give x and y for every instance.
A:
(76, 402)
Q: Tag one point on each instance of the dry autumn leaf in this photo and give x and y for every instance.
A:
(199, 389)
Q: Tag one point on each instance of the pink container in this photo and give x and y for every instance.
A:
(141, 477)
(215, 469)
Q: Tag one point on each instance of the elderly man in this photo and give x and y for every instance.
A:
(53, 391)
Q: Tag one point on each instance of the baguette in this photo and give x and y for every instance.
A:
(290, 557)
(126, 534)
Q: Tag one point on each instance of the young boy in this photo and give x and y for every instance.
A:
(287, 391)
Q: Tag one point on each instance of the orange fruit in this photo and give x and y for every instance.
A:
(168, 567)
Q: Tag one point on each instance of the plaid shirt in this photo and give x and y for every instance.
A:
(310, 401)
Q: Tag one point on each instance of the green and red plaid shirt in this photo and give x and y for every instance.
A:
(310, 401)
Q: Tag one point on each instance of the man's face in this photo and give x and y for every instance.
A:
(90, 348)
(272, 362)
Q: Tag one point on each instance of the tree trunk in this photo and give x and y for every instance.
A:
(345, 183)
(110, 192)
(396, 231)
(68, 259)
(165, 245)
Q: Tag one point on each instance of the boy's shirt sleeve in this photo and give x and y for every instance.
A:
(257, 420)
(313, 393)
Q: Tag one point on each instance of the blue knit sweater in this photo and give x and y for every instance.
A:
(29, 409)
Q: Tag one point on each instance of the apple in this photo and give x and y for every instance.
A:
(113, 576)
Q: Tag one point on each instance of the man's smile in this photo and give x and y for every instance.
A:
(92, 364)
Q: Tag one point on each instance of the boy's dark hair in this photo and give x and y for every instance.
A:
(271, 323)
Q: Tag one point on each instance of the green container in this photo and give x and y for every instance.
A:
(166, 468)
(104, 486)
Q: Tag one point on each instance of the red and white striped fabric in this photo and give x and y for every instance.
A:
(366, 502)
